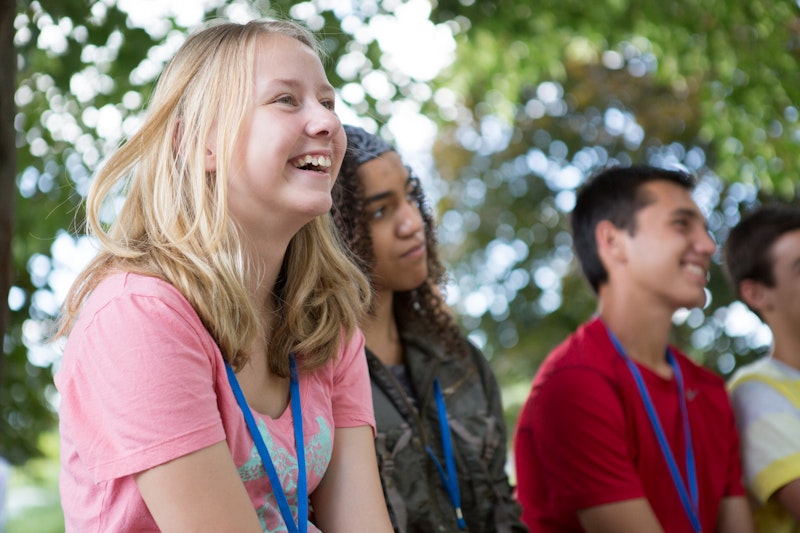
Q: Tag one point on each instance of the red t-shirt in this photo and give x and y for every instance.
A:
(584, 439)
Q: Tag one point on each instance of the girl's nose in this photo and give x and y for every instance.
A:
(323, 121)
(410, 219)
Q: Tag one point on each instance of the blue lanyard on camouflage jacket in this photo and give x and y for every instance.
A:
(405, 406)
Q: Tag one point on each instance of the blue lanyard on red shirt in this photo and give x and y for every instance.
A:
(450, 478)
(301, 526)
(692, 506)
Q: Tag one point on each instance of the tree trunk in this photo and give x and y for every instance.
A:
(8, 159)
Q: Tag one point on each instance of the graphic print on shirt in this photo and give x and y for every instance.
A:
(318, 454)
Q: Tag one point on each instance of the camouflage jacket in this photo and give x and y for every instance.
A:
(417, 499)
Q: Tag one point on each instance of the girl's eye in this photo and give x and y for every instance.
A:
(285, 99)
(378, 213)
(412, 190)
(328, 104)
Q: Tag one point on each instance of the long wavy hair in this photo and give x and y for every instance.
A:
(420, 310)
(174, 223)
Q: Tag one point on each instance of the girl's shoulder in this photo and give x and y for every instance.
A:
(122, 285)
(128, 300)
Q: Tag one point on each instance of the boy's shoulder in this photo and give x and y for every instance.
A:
(765, 368)
(590, 348)
(587, 350)
(588, 345)
(763, 379)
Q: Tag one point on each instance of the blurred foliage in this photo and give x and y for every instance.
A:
(32, 497)
(547, 92)
(57, 149)
(539, 95)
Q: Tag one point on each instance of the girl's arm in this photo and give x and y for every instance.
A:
(199, 492)
(349, 497)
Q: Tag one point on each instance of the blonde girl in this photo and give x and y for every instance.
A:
(219, 304)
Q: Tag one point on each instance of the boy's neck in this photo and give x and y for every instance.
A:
(786, 345)
(643, 332)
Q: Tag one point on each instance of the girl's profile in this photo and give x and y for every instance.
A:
(213, 378)
(441, 441)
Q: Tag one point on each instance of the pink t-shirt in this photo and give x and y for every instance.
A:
(142, 382)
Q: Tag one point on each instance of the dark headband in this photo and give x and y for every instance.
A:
(363, 146)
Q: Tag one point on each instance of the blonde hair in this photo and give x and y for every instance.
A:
(174, 224)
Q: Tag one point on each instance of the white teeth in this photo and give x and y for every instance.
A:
(317, 161)
(696, 269)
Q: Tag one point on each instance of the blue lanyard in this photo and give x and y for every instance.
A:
(301, 526)
(449, 479)
(692, 506)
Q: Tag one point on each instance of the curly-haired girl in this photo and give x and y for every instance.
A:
(441, 439)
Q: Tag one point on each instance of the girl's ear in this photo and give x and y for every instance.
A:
(211, 160)
(210, 155)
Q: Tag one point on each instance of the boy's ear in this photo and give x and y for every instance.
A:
(755, 295)
(610, 245)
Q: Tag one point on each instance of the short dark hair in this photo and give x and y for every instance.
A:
(613, 194)
(748, 250)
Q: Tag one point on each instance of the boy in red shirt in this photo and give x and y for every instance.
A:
(621, 431)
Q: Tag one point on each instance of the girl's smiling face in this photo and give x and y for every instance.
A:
(291, 143)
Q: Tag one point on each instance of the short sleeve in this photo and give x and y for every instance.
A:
(352, 394)
(137, 384)
(580, 431)
(769, 425)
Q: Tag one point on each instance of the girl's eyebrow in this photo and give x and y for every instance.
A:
(382, 195)
(295, 83)
(377, 197)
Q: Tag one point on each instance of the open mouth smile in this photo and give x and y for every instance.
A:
(696, 269)
(319, 163)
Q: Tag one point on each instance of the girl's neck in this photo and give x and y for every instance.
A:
(264, 270)
(380, 330)
(264, 391)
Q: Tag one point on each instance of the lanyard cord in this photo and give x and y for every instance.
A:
(301, 526)
(690, 506)
(449, 479)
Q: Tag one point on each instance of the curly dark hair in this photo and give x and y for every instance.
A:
(421, 310)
